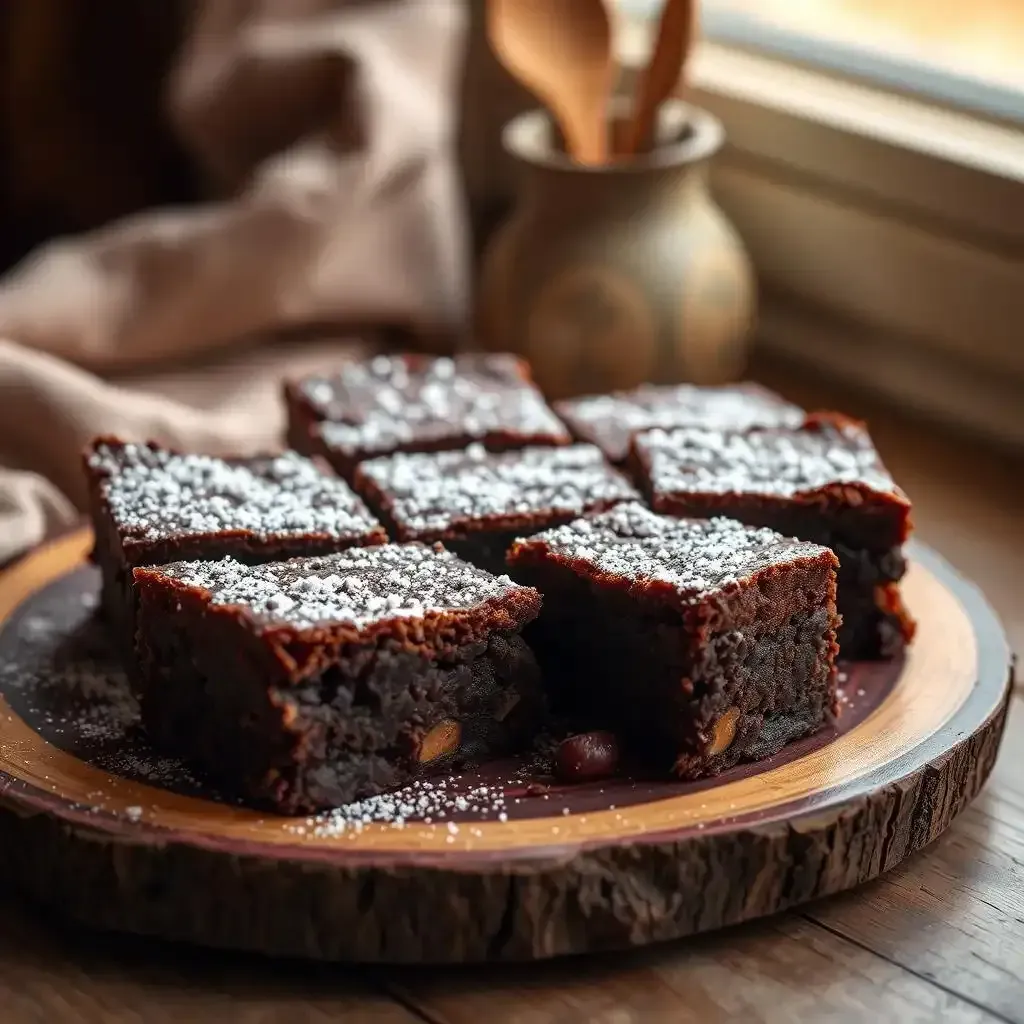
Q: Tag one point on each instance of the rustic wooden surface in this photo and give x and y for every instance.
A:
(942, 934)
(606, 867)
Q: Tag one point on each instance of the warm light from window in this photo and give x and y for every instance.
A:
(980, 39)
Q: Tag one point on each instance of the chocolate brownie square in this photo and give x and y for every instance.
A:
(418, 403)
(308, 683)
(478, 502)
(822, 481)
(610, 421)
(151, 505)
(701, 642)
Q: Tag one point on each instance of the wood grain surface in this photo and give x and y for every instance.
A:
(943, 934)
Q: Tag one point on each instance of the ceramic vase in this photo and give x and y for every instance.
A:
(604, 277)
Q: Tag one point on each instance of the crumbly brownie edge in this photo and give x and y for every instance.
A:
(801, 697)
(243, 546)
(118, 559)
(435, 633)
(535, 550)
(298, 727)
(669, 709)
(117, 602)
(116, 556)
(876, 623)
(301, 420)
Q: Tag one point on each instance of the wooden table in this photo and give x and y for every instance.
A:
(943, 934)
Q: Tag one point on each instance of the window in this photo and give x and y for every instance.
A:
(875, 169)
(969, 55)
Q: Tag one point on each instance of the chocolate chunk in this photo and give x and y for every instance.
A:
(587, 756)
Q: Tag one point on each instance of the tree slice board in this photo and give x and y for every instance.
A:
(485, 865)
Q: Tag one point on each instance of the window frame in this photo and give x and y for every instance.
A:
(887, 230)
(904, 74)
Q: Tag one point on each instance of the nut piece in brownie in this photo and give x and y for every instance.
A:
(478, 502)
(418, 403)
(609, 421)
(150, 505)
(311, 682)
(823, 482)
(701, 642)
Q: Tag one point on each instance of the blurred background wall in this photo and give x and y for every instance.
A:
(85, 139)
(82, 133)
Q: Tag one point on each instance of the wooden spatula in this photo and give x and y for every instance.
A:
(561, 50)
(676, 33)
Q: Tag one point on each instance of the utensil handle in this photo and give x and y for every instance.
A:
(641, 128)
(677, 30)
(587, 141)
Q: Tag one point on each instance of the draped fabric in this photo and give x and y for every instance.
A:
(322, 131)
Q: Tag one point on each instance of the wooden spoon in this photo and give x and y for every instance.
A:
(676, 32)
(561, 50)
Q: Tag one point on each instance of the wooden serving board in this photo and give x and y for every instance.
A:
(98, 827)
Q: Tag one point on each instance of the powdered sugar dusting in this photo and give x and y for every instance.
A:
(73, 681)
(359, 587)
(434, 492)
(693, 556)
(378, 406)
(777, 462)
(62, 676)
(154, 494)
(611, 420)
(423, 801)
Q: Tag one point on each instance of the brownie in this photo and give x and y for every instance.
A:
(307, 683)
(418, 403)
(822, 481)
(701, 642)
(478, 502)
(609, 421)
(151, 505)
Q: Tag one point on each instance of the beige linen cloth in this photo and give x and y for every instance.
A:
(324, 127)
